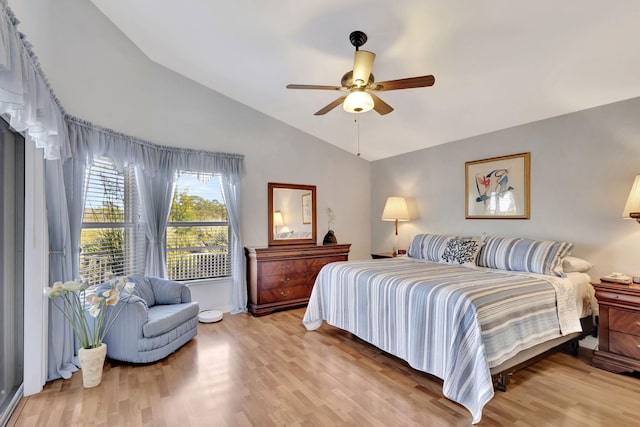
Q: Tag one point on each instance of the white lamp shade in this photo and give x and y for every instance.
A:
(358, 101)
(633, 202)
(277, 219)
(395, 209)
(362, 64)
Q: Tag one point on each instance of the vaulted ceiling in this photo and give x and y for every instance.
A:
(497, 63)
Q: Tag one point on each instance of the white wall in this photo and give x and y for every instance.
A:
(100, 76)
(582, 168)
(36, 254)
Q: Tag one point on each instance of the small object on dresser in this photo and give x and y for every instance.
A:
(329, 238)
(636, 279)
(623, 279)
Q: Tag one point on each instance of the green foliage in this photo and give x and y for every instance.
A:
(188, 208)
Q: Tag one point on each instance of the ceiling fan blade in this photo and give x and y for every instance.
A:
(331, 106)
(380, 106)
(408, 83)
(321, 87)
(362, 65)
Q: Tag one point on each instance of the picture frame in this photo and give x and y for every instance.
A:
(498, 188)
(306, 208)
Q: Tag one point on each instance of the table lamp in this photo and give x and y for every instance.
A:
(395, 210)
(632, 207)
(278, 221)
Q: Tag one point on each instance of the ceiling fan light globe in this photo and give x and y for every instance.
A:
(358, 102)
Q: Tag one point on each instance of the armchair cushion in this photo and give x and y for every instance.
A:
(163, 318)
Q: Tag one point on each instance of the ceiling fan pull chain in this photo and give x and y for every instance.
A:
(358, 134)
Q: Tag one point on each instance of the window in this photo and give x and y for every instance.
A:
(112, 240)
(113, 237)
(198, 229)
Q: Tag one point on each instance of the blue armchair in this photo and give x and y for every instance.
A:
(158, 319)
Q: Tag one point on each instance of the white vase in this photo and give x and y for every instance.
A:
(91, 363)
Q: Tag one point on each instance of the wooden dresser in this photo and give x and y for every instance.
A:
(282, 277)
(619, 327)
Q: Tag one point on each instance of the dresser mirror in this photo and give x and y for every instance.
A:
(292, 214)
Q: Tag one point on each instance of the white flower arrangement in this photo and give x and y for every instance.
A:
(331, 218)
(76, 298)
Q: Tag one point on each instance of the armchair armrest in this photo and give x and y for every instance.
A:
(122, 338)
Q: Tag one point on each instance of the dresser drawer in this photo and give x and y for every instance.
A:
(624, 321)
(605, 295)
(283, 267)
(284, 280)
(284, 294)
(625, 344)
(315, 265)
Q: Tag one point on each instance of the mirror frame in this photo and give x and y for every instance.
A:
(287, 242)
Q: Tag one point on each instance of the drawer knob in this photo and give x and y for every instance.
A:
(637, 323)
(286, 293)
(285, 280)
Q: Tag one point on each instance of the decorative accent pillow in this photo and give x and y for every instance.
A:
(571, 264)
(143, 289)
(428, 246)
(520, 254)
(461, 251)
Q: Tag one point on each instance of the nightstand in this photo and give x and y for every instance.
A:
(619, 327)
(381, 255)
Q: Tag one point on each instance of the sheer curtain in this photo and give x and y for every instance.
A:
(231, 194)
(156, 193)
(25, 95)
(61, 342)
(70, 145)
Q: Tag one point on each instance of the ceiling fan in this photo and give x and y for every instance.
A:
(360, 84)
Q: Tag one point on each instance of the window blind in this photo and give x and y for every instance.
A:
(112, 239)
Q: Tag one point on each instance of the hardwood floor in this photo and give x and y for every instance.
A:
(270, 371)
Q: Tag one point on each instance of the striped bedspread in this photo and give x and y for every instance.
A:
(452, 322)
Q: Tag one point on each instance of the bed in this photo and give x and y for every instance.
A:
(456, 318)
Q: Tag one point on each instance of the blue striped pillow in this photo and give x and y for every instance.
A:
(520, 254)
(428, 246)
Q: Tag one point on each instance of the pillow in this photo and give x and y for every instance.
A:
(572, 264)
(428, 246)
(167, 291)
(461, 251)
(143, 289)
(520, 254)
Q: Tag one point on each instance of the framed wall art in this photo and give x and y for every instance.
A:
(498, 188)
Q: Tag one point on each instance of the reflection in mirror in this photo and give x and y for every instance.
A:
(292, 215)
